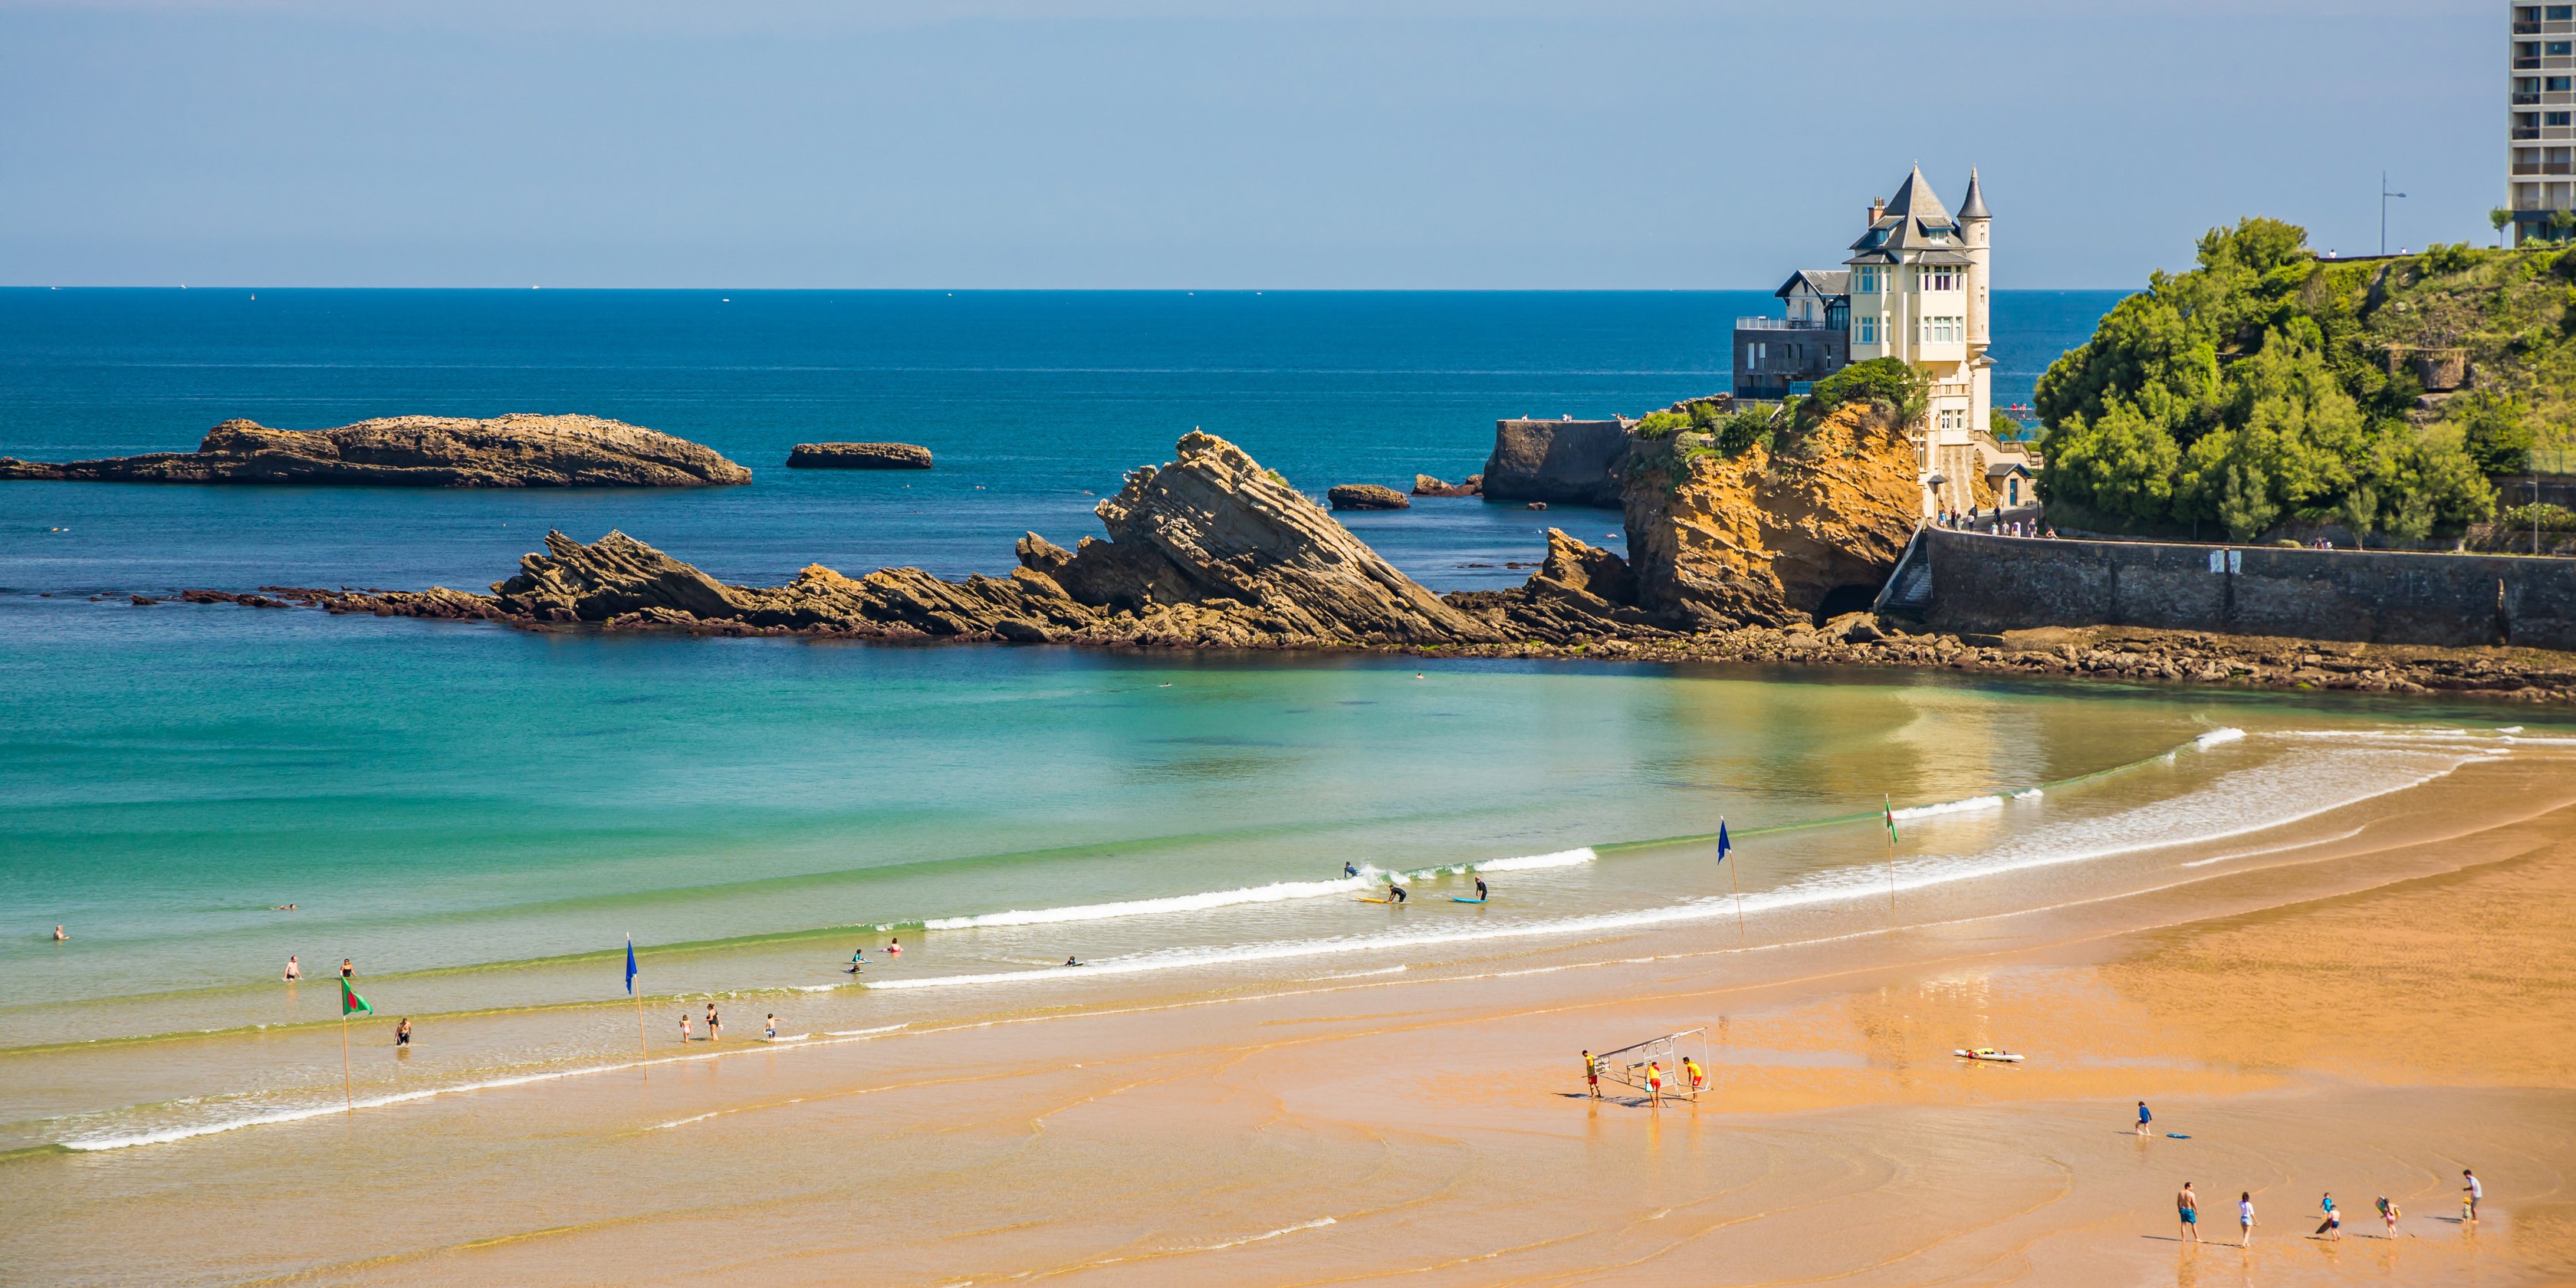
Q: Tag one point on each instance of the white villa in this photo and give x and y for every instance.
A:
(1916, 290)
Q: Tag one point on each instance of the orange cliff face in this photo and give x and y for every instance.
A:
(1766, 536)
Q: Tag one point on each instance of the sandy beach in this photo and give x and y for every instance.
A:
(2373, 1011)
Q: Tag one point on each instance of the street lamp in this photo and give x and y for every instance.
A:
(2384, 195)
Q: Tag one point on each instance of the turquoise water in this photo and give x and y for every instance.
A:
(479, 817)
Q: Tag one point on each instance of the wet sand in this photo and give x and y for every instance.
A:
(2364, 1024)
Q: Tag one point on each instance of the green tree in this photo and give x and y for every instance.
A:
(2495, 431)
(2497, 219)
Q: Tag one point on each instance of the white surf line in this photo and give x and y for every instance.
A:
(2218, 737)
(1857, 883)
(1316, 1224)
(1973, 804)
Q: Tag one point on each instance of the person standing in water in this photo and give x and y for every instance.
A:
(294, 969)
(772, 1032)
(2245, 1218)
(402, 1032)
(715, 1026)
(1480, 890)
(2187, 1208)
(684, 1028)
(59, 933)
(894, 948)
(2144, 1117)
(347, 971)
(1394, 892)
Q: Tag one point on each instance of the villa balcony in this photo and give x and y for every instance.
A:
(1782, 324)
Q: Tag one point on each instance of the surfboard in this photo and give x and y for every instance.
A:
(1989, 1055)
(2177, 1135)
(1366, 899)
(1455, 899)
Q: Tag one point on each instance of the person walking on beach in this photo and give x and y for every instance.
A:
(2388, 1215)
(1655, 1083)
(2144, 1117)
(715, 1026)
(684, 1028)
(2245, 1218)
(2470, 1193)
(294, 969)
(2187, 1207)
(402, 1032)
(1592, 1074)
(2332, 1226)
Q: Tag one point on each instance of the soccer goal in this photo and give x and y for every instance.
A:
(1627, 1066)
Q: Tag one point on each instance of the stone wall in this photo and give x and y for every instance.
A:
(1987, 583)
(1561, 462)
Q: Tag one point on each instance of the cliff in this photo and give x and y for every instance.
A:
(1562, 462)
(1778, 533)
(418, 451)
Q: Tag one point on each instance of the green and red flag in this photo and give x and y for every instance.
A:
(1889, 805)
(350, 1002)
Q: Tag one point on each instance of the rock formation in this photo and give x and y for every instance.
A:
(1426, 485)
(1210, 550)
(858, 456)
(1565, 461)
(1366, 496)
(1767, 537)
(419, 451)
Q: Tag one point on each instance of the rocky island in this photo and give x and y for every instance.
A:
(858, 456)
(418, 451)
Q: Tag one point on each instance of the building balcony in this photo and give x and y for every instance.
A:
(1783, 324)
(2521, 132)
(2526, 29)
(2544, 168)
(2526, 64)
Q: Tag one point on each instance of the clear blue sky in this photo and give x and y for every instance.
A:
(1389, 143)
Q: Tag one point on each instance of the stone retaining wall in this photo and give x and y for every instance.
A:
(1986, 584)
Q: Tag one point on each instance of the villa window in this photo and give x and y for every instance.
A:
(1939, 277)
(1869, 330)
(1937, 234)
(1868, 284)
(1941, 331)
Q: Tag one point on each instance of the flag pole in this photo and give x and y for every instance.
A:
(348, 1089)
(1889, 803)
(643, 1049)
(1731, 880)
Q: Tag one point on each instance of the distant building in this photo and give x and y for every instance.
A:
(2542, 131)
(1915, 289)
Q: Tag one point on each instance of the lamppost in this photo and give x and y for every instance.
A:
(2384, 195)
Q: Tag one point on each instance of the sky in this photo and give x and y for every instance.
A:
(1391, 144)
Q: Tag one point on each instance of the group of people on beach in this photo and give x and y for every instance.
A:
(1691, 1071)
(2330, 1226)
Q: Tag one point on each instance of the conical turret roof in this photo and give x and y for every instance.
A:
(1976, 204)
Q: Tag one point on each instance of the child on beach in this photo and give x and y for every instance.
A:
(2245, 1218)
(2332, 1226)
(772, 1033)
(2144, 1117)
(684, 1027)
(2388, 1213)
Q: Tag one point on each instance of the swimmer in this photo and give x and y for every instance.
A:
(858, 960)
(294, 969)
(894, 948)
(59, 934)
(715, 1027)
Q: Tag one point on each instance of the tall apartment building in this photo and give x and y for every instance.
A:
(2542, 181)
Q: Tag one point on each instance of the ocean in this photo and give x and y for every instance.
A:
(480, 818)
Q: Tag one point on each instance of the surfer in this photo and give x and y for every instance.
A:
(1349, 869)
(1480, 890)
(1393, 891)
(2332, 1226)
(1072, 961)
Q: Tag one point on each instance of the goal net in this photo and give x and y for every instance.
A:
(1629, 1065)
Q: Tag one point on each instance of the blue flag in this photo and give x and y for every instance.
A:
(1721, 840)
(630, 965)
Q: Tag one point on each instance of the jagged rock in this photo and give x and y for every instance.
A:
(1366, 496)
(614, 575)
(1762, 538)
(419, 451)
(858, 456)
(1426, 485)
(1569, 462)
(1580, 593)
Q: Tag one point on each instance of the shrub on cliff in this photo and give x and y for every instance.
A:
(1904, 390)
(2264, 385)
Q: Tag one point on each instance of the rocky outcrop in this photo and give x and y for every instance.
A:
(858, 456)
(1210, 550)
(1366, 496)
(1426, 485)
(1568, 462)
(1769, 536)
(419, 451)
(1581, 593)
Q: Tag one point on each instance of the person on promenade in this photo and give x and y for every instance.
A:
(294, 969)
(1592, 1074)
(2471, 1192)
(1655, 1083)
(715, 1026)
(2388, 1215)
(2187, 1208)
(684, 1028)
(402, 1032)
(2332, 1226)
(2245, 1218)
(2144, 1117)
